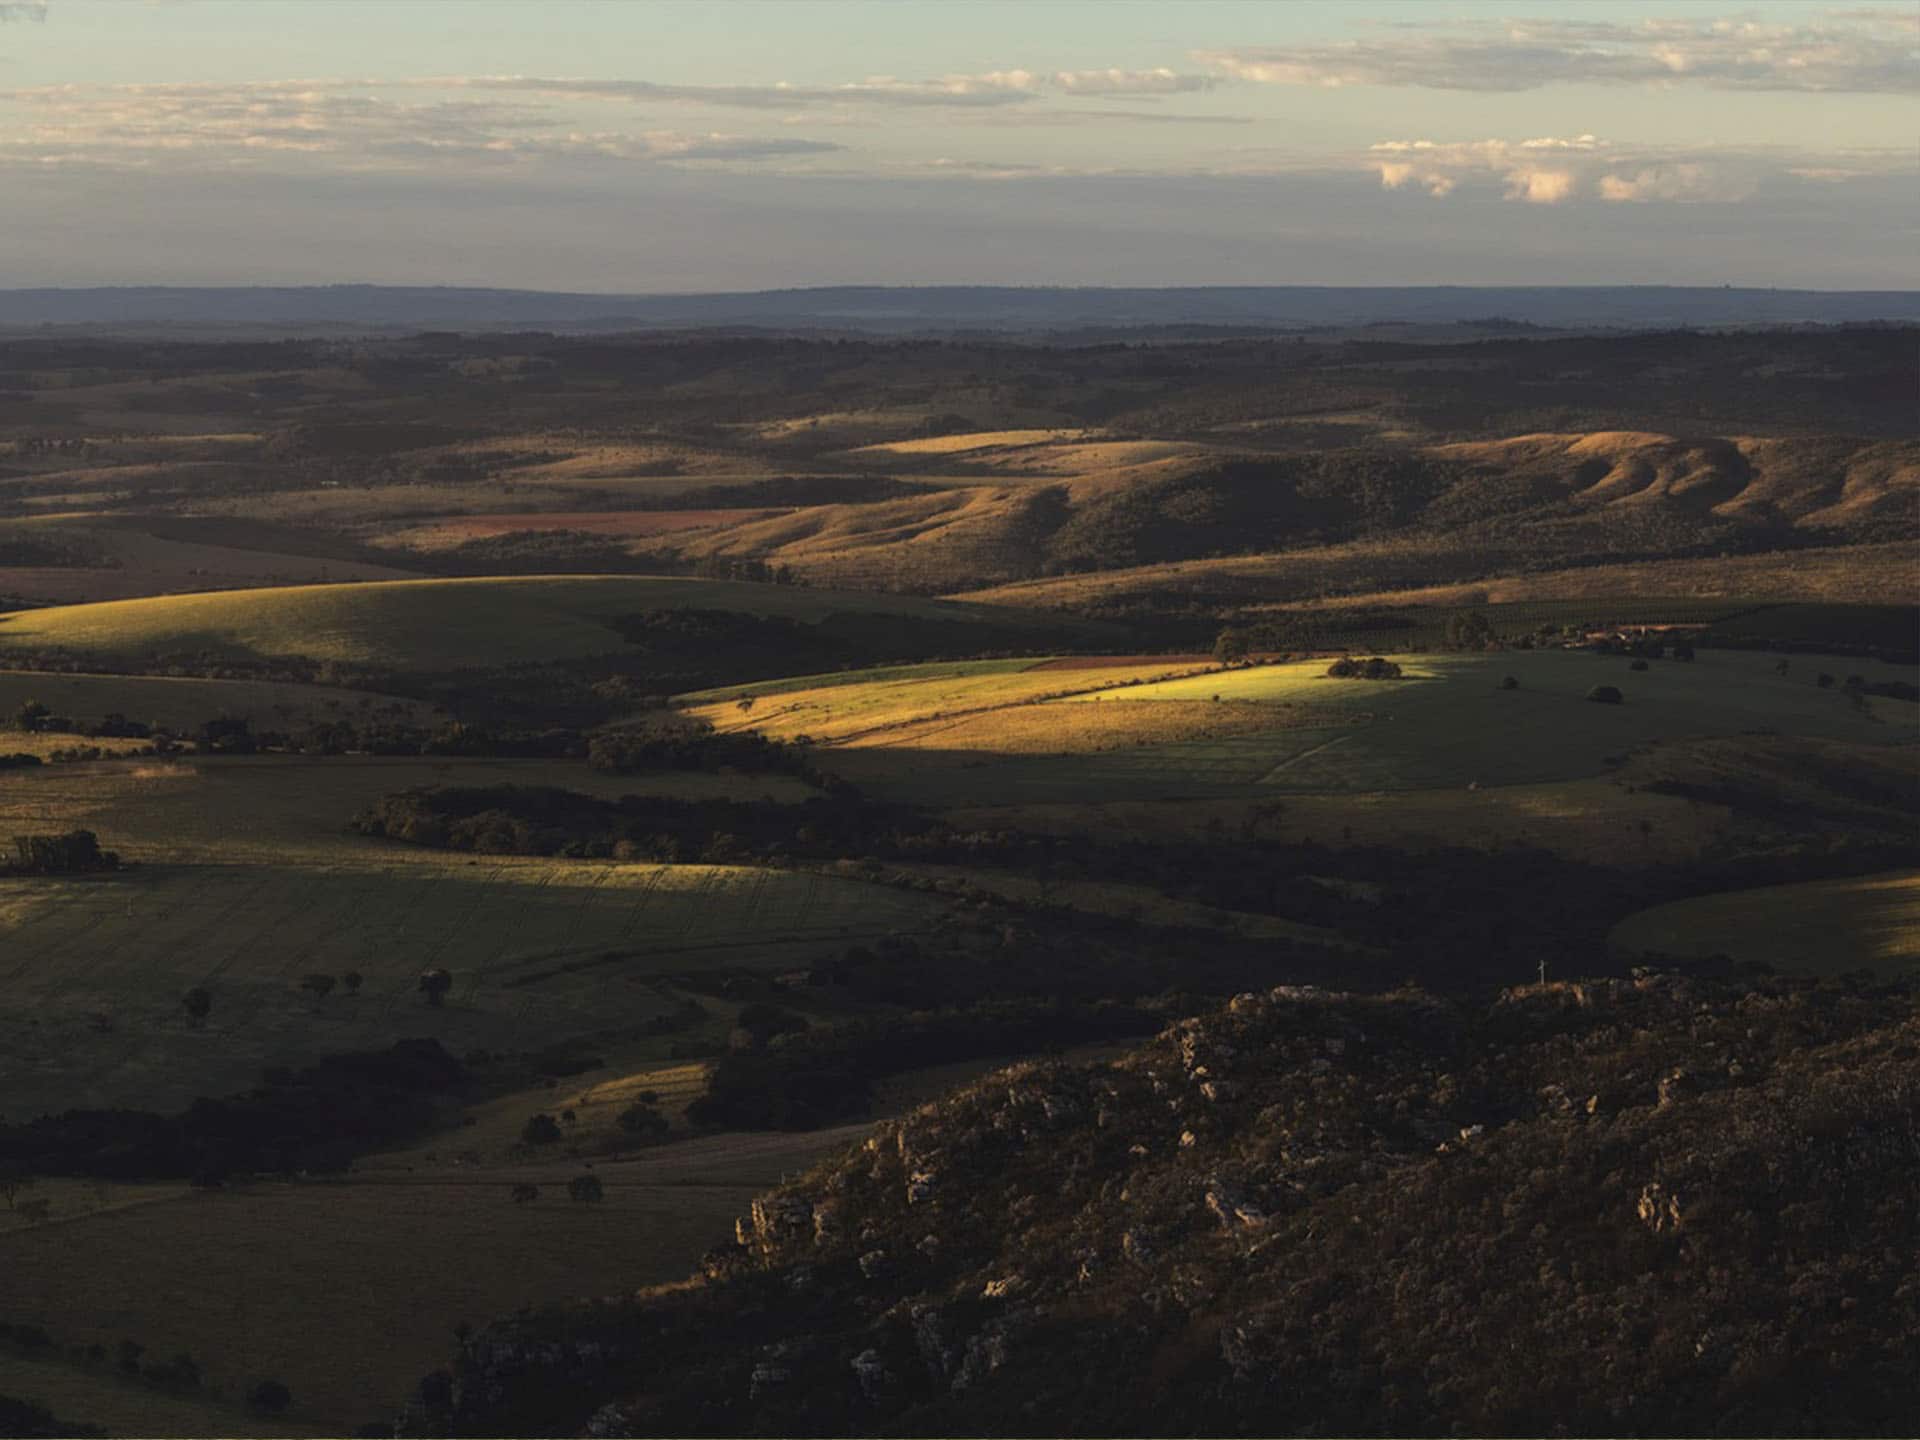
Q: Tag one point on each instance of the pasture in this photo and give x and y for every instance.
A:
(436, 624)
(857, 709)
(1823, 927)
(245, 882)
(1037, 735)
(184, 702)
(348, 1290)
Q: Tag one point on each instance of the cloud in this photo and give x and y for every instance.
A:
(334, 123)
(1161, 81)
(22, 10)
(1851, 51)
(1006, 87)
(1551, 170)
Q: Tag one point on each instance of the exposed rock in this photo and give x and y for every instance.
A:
(1658, 1209)
(872, 1373)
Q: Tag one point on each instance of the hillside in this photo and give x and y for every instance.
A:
(1659, 1206)
(468, 623)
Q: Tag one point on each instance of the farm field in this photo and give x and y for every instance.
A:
(1826, 927)
(843, 712)
(185, 702)
(245, 882)
(540, 950)
(434, 624)
(944, 738)
(383, 1265)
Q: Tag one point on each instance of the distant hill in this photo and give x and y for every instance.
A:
(944, 309)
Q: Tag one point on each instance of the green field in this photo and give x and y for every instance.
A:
(880, 674)
(184, 703)
(1289, 729)
(348, 1289)
(245, 881)
(873, 707)
(1823, 926)
(438, 624)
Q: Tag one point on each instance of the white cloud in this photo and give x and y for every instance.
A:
(1004, 87)
(1851, 51)
(335, 123)
(1161, 81)
(1551, 170)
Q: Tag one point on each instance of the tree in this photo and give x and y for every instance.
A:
(353, 979)
(644, 1121)
(1468, 630)
(525, 1194)
(1231, 646)
(435, 984)
(199, 1004)
(270, 1397)
(12, 1182)
(540, 1129)
(31, 715)
(1824, 681)
(1605, 695)
(1508, 682)
(586, 1189)
(34, 1212)
(317, 984)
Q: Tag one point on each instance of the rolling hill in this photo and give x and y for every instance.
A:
(460, 624)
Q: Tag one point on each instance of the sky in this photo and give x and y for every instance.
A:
(621, 145)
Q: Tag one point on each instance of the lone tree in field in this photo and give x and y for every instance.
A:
(1605, 695)
(1468, 630)
(318, 985)
(352, 980)
(270, 1397)
(435, 984)
(586, 1189)
(12, 1182)
(540, 1129)
(199, 1004)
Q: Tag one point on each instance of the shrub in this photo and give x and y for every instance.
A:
(270, 1397)
(1605, 695)
(1509, 682)
(644, 1121)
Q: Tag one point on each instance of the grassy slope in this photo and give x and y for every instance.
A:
(431, 624)
(843, 710)
(1826, 926)
(183, 701)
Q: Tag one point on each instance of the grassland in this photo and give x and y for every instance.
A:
(432, 624)
(186, 702)
(1108, 734)
(245, 883)
(348, 1290)
(847, 709)
(1824, 926)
